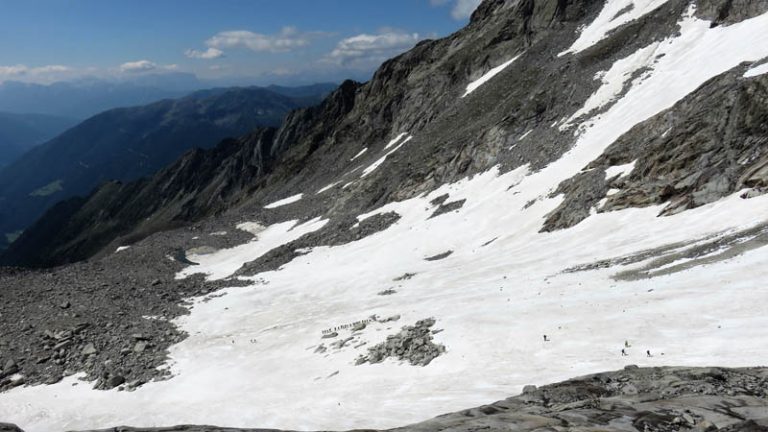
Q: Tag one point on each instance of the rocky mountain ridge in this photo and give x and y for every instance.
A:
(128, 143)
(21, 132)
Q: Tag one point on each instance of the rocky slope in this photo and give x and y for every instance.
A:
(416, 235)
(418, 92)
(633, 399)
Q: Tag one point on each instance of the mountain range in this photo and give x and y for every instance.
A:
(128, 143)
(20, 132)
(89, 96)
(559, 189)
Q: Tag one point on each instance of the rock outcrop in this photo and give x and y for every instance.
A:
(412, 344)
(710, 145)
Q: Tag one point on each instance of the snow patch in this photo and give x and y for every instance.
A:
(395, 140)
(620, 170)
(226, 262)
(757, 71)
(284, 201)
(362, 152)
(474, 85)
(614, 14)
(328, 187)
(372, 167)
(614, 80)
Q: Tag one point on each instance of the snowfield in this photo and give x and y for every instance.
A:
(757, 70)
(372, 167)
(615, 13)
(474, 85)
(250, 359)
(284, 201)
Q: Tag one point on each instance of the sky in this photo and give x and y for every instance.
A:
(263, 41)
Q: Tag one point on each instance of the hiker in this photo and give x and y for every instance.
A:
(649, 353)
(623, 352)
(626, 344)
(546, 339)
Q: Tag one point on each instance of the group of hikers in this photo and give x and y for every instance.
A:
(623, 350)
(627, 345)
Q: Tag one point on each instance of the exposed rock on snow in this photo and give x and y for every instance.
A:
(582, 193)
(344, 231)
(413, 344)
(448, 207)
(678, 257)
(697, 162)
(730, 11)
(439, 256)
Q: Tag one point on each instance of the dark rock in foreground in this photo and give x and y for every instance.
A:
(633, 399)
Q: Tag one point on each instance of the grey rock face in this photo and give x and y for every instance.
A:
(716, 145)
(725, 12)
(582, 193)
(711, 144)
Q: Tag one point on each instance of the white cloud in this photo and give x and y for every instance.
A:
(13, 70)
(50, 69)
(208, 54)
(18, 70)
(141, 66)
(368, 49)
(288, 39)
(42, 74)
(462, 9)
(138, 66)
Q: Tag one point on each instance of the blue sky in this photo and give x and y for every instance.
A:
(281, 41)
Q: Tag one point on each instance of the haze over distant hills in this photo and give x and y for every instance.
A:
(84, 98)
(21, 132)
(128, 143)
